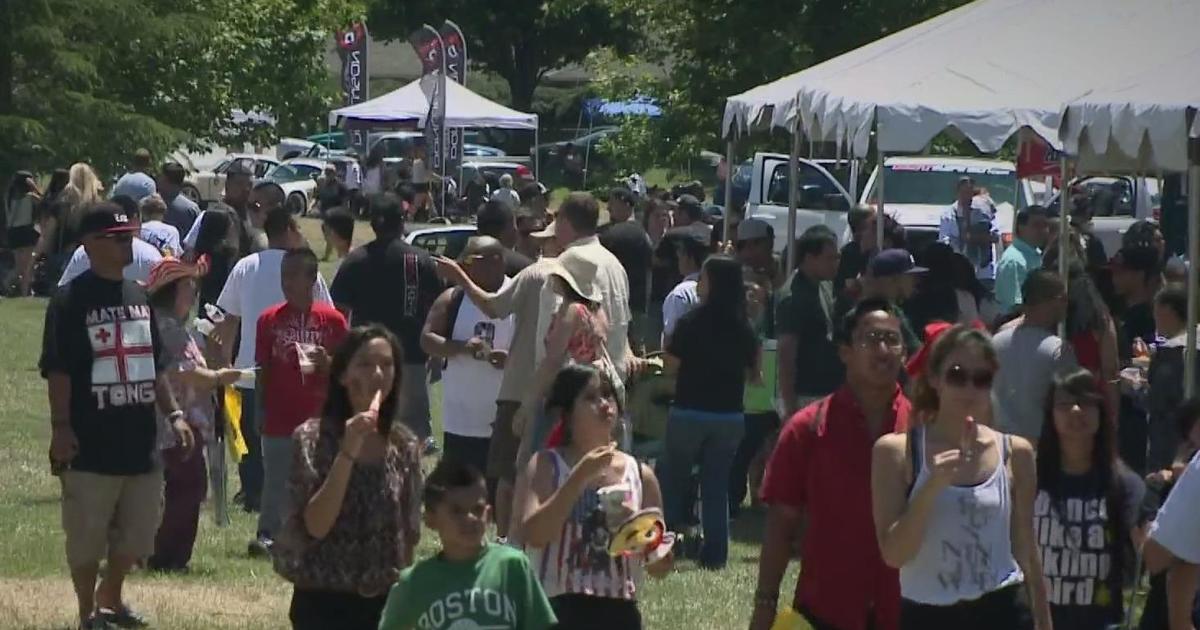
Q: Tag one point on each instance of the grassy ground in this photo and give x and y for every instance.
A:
(225, 589)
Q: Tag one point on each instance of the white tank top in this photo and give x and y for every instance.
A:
(469, 385)
(967, 549)
(577, 561)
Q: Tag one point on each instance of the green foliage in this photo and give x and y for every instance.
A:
(520, 40)
(94, 79)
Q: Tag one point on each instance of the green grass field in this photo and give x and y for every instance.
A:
(225, 589)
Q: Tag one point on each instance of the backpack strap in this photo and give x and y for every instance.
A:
(916, 455)
(456, 300)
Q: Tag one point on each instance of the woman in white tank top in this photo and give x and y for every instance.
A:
(565, 530)
(953, 501)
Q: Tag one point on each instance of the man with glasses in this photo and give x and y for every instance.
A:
(807, 313)
(102, 361)
(145, 255)
(818, 487)
(1030, 353)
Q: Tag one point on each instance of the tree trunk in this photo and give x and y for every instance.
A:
(521, 85)
(6, 59)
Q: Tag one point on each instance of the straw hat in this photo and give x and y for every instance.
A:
(170, 270)
(579, 273)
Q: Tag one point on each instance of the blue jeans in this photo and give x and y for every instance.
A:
(709, 440)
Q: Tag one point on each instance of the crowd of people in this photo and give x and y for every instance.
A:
(913, 425)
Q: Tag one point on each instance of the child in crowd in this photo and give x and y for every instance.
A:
(471, 582)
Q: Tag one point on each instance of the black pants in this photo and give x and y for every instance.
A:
(584, 612)
(323, 610)
(817, 624)
(473, 451)
(1004, 609)
(759, 427)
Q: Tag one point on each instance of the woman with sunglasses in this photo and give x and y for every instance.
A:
(1086, 506)
(953, 500)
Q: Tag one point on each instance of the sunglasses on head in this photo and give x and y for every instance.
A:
(959, 376)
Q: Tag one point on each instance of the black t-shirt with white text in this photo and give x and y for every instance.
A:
(1078, 549)
(389, 282)
(102, 334)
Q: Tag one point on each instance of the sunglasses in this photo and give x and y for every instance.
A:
(959, 376)
(891, 340)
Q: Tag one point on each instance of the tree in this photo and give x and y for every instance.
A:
(92, 80)
(520, 40)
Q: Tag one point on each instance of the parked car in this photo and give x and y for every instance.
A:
(204, 187)
(288, 148)
(448, 241)
(920, 188)
(298, 178)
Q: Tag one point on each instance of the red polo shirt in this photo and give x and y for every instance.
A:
(823, 467)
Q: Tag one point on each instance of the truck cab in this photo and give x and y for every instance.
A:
(822, 199)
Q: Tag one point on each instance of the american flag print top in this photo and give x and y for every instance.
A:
(577, 561)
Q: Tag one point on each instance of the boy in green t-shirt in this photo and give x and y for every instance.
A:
(470, 584)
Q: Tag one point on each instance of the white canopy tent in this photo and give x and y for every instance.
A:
(984, 70)
(464, 108)
(1148, 121)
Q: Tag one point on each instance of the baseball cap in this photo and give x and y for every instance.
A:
(1136, 258)
(752, 229)
(105, 218)
(691, 206)
(893, 262)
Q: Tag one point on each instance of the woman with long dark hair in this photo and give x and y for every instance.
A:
(21, 202)
(714, 351)
(953, 500)
(354, 494)
(1086, 507)
(565, 524)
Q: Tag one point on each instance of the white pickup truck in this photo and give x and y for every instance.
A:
(918, 190)
(1117, 201)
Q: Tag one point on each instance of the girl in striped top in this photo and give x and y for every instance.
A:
(565, 529)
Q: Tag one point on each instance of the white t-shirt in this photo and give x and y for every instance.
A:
(145, 256)
(354, 176)
(469, 385)
(1177, 527)
(162, 236)
(252, 287)
(507, 194)
(420, 173)
(373, 181)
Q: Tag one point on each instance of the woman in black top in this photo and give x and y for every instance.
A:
(1086, 507)
(713, 351)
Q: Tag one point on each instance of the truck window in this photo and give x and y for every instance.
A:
(777, 192)
(1110, 197)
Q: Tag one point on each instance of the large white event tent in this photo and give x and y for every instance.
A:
(984, 70)
(1148, 121)
(464, 108)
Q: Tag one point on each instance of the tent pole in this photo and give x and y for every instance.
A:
(1193, 311)
(1064, 231)
(881, 214)
(537, 171)
(728, 187)
(793, 200)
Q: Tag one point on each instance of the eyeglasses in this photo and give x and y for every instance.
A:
(959, 376)
(890, 340)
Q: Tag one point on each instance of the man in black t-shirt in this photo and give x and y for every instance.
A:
(1136, 273)
(496, 220)
(101, 358)
(332, 193)
(629, 242)
(390, 282)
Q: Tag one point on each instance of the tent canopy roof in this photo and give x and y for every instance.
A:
(464, 108)
(986, 69)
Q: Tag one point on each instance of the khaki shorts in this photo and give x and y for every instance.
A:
(110, 514)
(502, 452)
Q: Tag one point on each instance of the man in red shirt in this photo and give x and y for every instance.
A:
(292, 347)
(818, 487)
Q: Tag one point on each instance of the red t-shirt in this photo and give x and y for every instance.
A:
(822, 466)
(292, 397)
